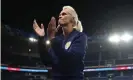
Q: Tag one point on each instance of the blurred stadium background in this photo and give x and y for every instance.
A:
(105, 59)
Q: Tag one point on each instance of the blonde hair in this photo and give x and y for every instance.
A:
(78, 25)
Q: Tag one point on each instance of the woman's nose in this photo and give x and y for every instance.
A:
(60, 17)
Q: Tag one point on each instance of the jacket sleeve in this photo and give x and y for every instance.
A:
(78, 47)
(43, 51)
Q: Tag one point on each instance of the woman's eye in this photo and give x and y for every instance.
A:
(63, 13)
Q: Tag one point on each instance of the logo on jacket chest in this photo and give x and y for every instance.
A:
(68, 44)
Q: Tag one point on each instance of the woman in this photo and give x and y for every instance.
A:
(67, 50)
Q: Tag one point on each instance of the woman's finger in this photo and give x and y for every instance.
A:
(54, 21)
(35, 25)
(58, 27)
(42, 26)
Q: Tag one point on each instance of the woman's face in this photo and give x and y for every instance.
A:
(65, 17)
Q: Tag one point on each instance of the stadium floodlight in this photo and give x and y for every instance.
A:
(115, 38)
(29, 50)
(32, 39)
(47, 42)
(126, 37)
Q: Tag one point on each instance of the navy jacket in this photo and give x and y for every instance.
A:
(67, 55)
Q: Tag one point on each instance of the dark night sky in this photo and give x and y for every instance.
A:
(94, 14)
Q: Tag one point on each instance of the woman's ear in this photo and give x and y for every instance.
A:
(73, 21)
